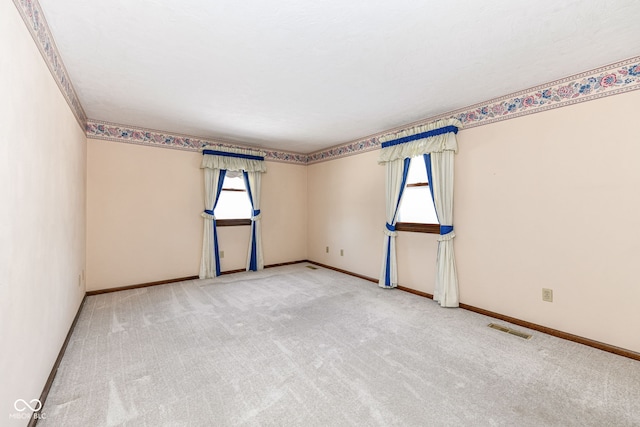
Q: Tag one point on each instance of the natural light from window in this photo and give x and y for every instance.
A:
(234, 201)
(417, 205)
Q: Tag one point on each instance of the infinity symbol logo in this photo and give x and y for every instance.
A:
(22, 405)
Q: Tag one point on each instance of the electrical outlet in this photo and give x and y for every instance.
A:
(547, 295)
(221, 254)
(341, 252)
(326, 249)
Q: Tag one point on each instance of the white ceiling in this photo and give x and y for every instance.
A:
(305, 75)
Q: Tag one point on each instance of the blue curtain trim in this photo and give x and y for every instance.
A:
(387, 270)
(216, 249)
(253, 258)
(427, 162)
(445, 229)
(405, 175)
(223, 173)
(423, 135)
(225, 154)
(245, 175)
(390, 227)
(208, 212)
(253, 262)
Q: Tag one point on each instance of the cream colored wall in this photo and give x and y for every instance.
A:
(546, 200)
(284, 213)
(551, 200)
(144, 222)
(345, 212)
(143, 206)
(42, 217)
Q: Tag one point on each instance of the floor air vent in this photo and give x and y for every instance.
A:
(510, 331)
(312, 267)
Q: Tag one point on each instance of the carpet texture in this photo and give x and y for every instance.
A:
(295, 346)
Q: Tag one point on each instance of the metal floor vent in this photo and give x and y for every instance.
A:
(510, 331)
(312, 267)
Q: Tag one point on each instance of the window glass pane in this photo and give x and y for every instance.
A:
(236, 183)
(417, 206)
(417, 171)
(233, 204)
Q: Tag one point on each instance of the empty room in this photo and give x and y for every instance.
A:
(408, 213)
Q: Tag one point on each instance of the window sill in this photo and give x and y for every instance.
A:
(418, 227)
(232, 222)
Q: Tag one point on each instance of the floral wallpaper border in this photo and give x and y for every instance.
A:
(612, 79)
(33, 17)
(609, 80)
(619, 77)
(135, 135)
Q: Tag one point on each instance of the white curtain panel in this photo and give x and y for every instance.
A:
(397, 171)
(255, 260)
(210, 261)
(439, 140)
(216, 162)
(446, 286)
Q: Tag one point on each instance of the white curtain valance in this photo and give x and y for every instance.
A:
(433, 142)
(233, 159)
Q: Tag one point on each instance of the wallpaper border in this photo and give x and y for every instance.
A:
(613, 79)
(97, 129)
(34, 18)
(619, 77)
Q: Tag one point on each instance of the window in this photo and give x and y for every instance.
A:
(416, 211)
(234, 207)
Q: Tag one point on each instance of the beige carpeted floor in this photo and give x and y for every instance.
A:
(302, 347)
